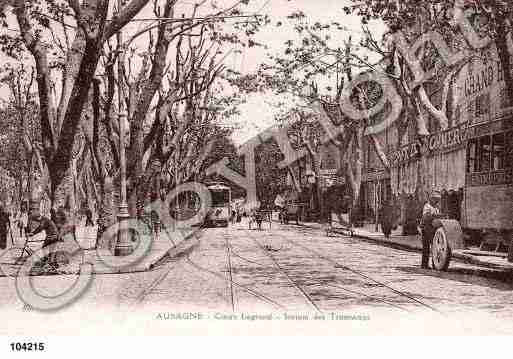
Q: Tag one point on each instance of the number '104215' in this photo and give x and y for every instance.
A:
(27, 347)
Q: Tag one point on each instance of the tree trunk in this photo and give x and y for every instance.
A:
(63, 196)
(439, 115)
(106, 212)
(295, 181)
(316, 159)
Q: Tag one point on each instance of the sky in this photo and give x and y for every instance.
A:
(259, 111)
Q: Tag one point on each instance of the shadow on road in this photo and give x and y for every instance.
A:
(500, 280)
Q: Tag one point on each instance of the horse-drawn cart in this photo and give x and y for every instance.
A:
(259, 216)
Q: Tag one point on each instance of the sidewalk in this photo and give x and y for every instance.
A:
(368, 232)
(412, 242)
(86, 238)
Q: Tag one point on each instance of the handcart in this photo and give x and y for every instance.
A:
(291, 211)
(344, 225)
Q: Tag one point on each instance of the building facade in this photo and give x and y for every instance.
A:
(470, 162)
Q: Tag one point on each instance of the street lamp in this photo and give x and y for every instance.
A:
(123, 243)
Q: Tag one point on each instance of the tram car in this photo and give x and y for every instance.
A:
(483, 233)
(220, 212)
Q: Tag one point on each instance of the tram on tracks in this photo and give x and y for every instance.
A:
(220, 213)
(482, 230)
(487, 205)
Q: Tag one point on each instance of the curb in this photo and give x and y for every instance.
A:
(186, 246)
(386, 243)
(190, 241)
(460, 257)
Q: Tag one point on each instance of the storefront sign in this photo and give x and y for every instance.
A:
(490, 178)
(375, 176)
(441, 141)
(450, 139)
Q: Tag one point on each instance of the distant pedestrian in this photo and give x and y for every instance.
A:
(239, 215)
(5, 225)
(279, 205)
(89, 217)
(233, 214)
(411, 217)
(386, 218)
(430, 212)
(22, 220)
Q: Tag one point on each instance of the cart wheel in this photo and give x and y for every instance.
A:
(440, 250)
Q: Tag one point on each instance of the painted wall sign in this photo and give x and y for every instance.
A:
(479, 90)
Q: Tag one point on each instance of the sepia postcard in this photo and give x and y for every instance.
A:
(255, 167)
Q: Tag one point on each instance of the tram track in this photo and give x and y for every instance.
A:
(338, 265)
(339, 287)
(352, 291)
(294, 283)
(140, 298)
(228, 276)
(229, 265)
(231, 282)
(151, 287)
(244, 288)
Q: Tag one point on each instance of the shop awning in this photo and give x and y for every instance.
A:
(441, 171)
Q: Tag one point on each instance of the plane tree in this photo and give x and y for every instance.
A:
(65, 41)
(177, 94)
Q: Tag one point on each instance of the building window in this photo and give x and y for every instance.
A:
(498, 152)
(503, 99)
(457, 115)
(508, 153)
(483, 104)
(472, 158)
(485, 151)
(470, 110)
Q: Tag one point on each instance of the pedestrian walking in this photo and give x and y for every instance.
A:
(279, 203)
(5, 225)
(239, 214)
(430, 211)
(411, 220)
(155, 217)
(233, 214)
(22, 221)
(386, 217)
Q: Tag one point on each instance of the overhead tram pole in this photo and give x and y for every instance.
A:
(123, 244)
